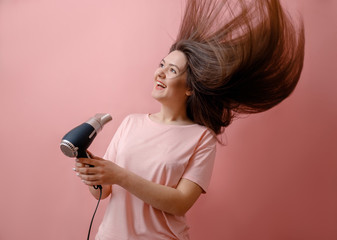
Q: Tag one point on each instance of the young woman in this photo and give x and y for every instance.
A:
(230, 57)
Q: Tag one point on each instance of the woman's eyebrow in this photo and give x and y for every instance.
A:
(171, 64)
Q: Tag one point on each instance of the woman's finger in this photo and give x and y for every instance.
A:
(80, 165)
(89, 178)
(87, 161)
(86, 170)
(90, 154)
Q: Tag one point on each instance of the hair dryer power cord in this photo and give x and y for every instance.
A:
(93, 216)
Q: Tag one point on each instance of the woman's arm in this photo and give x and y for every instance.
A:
(106, 189)
(176, 201)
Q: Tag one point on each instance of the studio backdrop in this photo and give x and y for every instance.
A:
(63, 61)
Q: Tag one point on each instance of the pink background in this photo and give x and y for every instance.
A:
(63, 61)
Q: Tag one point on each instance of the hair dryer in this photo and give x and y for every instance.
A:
(76, 142)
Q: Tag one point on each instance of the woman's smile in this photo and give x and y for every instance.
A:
(160, 85)
(170, 86)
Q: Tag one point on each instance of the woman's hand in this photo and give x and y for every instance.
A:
(175, 201)
(101, 172)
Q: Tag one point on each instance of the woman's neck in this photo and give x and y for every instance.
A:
(169, 116)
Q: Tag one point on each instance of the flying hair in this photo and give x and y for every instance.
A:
(242, 57)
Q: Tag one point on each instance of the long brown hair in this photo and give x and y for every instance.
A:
(242, 57)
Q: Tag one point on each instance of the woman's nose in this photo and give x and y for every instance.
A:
(161, 73)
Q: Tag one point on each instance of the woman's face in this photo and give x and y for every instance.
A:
(170, 80)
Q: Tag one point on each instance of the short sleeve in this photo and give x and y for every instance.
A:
(200, 167)
(111, 151)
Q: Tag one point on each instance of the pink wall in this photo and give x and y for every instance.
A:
(63, 61)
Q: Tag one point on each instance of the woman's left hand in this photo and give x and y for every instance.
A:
(101, 172)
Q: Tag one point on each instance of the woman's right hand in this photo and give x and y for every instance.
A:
(106, 189)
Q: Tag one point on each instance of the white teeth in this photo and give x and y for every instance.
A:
(161, 84)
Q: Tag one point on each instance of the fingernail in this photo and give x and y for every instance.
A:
(77, 174)
(74, 169)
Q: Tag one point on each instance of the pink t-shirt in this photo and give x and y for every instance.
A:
(163, 154)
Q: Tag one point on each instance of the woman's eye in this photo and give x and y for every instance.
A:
(173, 70)
(161, 65)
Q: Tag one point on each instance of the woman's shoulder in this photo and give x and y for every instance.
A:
(133, 118)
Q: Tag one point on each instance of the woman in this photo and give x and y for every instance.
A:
(230, 57)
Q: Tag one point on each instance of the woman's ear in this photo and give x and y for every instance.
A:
(188, 93)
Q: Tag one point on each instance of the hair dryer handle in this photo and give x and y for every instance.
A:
(84, 154)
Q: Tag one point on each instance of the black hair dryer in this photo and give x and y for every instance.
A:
(76, 142)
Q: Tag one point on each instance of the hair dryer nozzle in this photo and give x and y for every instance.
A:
(104, 118)
(99, 120)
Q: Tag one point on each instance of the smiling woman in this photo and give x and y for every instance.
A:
(170, 84)
(157, 165)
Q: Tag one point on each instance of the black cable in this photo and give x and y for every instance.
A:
(93, 216)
